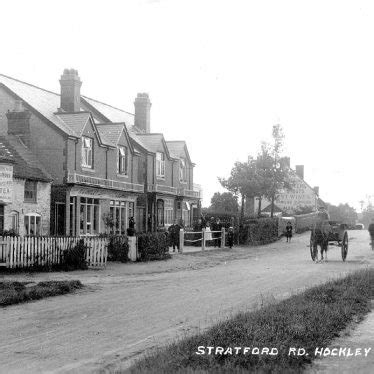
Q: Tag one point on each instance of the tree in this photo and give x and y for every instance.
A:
(342, 213)
(224, 202)
(273, 168)
(244, 181)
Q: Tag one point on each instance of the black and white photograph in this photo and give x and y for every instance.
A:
(185, 186)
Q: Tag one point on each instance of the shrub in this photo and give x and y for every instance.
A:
(75, 257)
(259, 231)
(118, 248)
(153, 246)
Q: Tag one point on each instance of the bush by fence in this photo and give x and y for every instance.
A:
(153, 246)
(259, 231)
(118, 247)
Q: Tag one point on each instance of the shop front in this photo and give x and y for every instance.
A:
(93, 211)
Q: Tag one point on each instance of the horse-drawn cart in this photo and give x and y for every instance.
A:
(333, 233)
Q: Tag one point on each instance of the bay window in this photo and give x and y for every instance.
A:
(33, 224)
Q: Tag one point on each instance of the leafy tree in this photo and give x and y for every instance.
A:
(243, 181)
(225, 202)
(273, 168)
(343, 213)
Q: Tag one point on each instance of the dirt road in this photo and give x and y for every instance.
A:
(129, 308)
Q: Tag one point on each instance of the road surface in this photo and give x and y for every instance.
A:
(128, 308)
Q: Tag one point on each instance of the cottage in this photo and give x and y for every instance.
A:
(25, 188)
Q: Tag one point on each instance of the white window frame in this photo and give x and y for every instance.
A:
(28, 217)
(182, 170)
(160, 164)
(87, 152)
(123, 160)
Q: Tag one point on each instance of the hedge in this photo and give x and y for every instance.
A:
(259, 231)
(153, 246)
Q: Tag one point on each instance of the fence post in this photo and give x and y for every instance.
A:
(223, 239)
(181, 240)
(203, 239)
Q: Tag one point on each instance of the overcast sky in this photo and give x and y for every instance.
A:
(220, 74)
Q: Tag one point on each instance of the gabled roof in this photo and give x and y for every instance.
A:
(267, 209)
(152, 141)
(178, 148)
(75, 121)
(112, 133)
(26, 165)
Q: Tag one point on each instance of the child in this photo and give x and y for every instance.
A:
(289, 231)
(230, 237)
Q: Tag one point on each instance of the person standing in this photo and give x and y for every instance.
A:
(289, 231)
(131, 229)
(230, 237)
(174, 235)
(371, 232)
(217, 235)
(208, 235)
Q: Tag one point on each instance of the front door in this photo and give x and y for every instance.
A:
(60, 219)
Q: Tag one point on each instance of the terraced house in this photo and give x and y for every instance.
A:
(105, 163)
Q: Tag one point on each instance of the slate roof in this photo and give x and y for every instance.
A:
(75, 121)
(178, 148)
(111, 132)
(26, 165)
(152, 142)
(47, 103)
(268, 209)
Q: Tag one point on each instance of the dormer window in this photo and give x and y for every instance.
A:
(122, 160)
(160, 164)
(87, 154)
(182, 170)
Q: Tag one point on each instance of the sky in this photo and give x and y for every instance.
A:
(219, 74)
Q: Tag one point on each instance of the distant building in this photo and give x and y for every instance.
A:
(288, 202)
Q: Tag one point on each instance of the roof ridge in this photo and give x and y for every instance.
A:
(29, 84)
(100, 102)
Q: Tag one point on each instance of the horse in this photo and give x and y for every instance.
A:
(321, 232)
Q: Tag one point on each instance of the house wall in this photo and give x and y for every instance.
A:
(41, 206)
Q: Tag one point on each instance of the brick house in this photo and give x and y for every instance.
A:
(101, 159)
(25, 188)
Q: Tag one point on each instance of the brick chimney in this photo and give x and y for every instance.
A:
(300, 171)
(19, 122)
(70, 91)
(143, 112)
(316, 190)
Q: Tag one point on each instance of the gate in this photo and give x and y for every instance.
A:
(203, 239)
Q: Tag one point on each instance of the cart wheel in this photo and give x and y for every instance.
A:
(345, 246)
(313, 248)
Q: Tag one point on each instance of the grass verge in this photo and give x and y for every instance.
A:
(20, 292)
(308, 320)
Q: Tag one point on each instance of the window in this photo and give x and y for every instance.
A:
(14, 219)
(1, 218)
(169, 211)
(33, 223)
(182, 170)
(160, 213)
(160, 164)
(87, 155)
(119, 215)
(89, 216)
(122, 160)
(30, 191)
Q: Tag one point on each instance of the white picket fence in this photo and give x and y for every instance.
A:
(24, 252)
